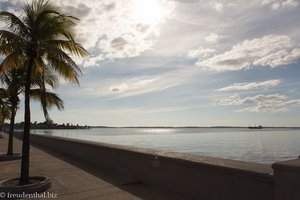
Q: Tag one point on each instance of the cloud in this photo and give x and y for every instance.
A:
(125, 84)
(144, 110)
(81, 10)
(261, 103)
(251, 86)
(124, 46)
(125, 34)
(8, 5)
(200, 52)
(132, 85)
(270, 50)
(218, 7)
(279, 4)
(115, 29)
(118, 88)
(115, 89)
(212, 38)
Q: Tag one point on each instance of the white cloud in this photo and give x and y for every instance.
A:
(200, 52)
(261, 103)
(251, 86)
(218, 7)
(270, 50)
(111, 29)
(231, 100)
(275, 6)
(143, 84)
(145, 109)
(212, 38)
(118, 28)
(92, 60)
(133, 85)
(124, 46)
(119, 88)
(290, 3)
(279, 4)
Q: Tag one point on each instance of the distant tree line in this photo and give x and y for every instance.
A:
(47, 125)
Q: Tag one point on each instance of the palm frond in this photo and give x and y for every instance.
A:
(12, 61)
(52, 99)
(50, 79)
(69, 46)
(56, 27)
(3, 93)
(48, 100)
(10, 41)
(42, 73)
(62, 63)
(49, 20)
(14, 23)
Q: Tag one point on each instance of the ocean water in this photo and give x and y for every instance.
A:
(267, 145)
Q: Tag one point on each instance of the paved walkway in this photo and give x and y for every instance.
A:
(77, 181)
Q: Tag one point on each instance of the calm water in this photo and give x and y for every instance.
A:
(263, 146)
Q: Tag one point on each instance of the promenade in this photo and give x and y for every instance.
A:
(72, 180)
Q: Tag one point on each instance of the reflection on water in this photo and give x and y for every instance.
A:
(264, 146)
(47, 132)
(157, 130)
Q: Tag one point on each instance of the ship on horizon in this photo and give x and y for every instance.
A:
(255, 127)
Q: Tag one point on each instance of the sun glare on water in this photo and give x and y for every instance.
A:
(149, 11)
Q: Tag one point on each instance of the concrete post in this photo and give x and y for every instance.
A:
(287, 180)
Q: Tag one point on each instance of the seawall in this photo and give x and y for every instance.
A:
(195, 176)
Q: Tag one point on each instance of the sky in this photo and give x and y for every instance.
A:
(182, 63)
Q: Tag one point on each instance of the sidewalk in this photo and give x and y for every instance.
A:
(72, 180)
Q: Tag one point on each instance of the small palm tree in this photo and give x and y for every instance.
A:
(4, 109)
(4, 114)
(14, 80)
(45, 36)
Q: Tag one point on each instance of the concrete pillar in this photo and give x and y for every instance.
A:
(287, 180)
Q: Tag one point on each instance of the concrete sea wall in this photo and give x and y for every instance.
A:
(194, 176)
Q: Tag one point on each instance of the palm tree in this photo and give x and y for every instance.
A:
(4, 109)
(40, 93)
(45, 36)
(14, 80)
(4, 114)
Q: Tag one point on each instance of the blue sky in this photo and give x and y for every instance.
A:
(182, 63)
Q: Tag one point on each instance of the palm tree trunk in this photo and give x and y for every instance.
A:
(24, 179)
(10, 150)
(43, 99)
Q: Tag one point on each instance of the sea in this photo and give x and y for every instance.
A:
(266, 145)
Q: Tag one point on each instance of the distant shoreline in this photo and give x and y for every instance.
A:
(42, 126)
(265, 127)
